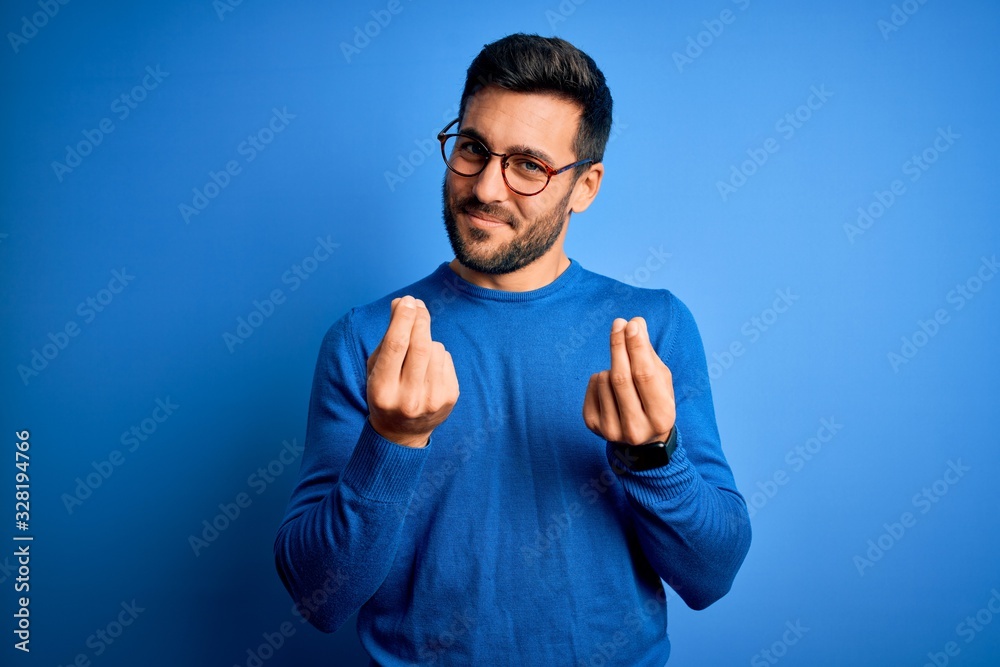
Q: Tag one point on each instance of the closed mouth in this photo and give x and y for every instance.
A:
(486, 218)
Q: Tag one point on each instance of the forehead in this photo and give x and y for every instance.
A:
(507, 119)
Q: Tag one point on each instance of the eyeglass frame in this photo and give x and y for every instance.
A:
(550, 172)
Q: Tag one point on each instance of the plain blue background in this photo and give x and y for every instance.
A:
(681, 128)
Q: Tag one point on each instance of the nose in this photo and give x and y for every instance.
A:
(489, 185)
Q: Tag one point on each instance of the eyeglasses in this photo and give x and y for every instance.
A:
(524, 174)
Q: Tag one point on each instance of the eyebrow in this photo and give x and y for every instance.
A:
(516, 148)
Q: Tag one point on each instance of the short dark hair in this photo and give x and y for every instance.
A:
(534, 64)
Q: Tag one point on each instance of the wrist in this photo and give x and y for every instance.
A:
(403, 439)
(636, 458)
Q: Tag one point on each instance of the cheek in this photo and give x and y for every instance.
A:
(530, 214)
(459, 190)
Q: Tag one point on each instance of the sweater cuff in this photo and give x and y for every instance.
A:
(667, 482)
(382, 470)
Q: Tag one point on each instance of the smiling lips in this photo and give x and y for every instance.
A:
(483, 220)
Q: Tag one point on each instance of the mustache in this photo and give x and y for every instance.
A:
(473, 205)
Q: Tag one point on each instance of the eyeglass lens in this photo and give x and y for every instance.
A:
(468, 157)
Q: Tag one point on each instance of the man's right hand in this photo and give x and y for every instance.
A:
(412, 385)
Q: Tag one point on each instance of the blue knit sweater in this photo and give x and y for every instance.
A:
(508, 540)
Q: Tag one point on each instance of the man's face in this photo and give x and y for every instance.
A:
(492, 229)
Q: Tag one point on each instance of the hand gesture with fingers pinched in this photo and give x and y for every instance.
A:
(633, 402)
(412, 385)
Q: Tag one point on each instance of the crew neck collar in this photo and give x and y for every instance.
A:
(569, 276)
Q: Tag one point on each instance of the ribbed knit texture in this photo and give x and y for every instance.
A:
(508, 540)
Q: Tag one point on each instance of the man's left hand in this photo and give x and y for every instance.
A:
(633, 402)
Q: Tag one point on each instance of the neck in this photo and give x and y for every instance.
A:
(536, 275)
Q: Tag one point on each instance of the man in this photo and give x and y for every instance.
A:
(508, 491)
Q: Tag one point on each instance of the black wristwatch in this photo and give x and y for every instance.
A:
(632, 458)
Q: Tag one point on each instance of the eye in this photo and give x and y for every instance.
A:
(527, 165)
(472, 148)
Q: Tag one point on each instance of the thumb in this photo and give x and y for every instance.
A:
(372, 358)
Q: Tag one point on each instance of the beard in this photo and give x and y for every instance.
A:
(474, 251)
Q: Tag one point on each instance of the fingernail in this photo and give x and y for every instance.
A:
(420, 303)
(617, 325)
(632, 329)
(408, 302)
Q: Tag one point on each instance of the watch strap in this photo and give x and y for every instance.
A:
(635, 458)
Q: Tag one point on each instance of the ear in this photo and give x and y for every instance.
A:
(586, 188)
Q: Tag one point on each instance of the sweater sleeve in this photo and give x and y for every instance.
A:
(692, 523)
(339, 536)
